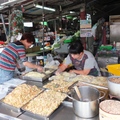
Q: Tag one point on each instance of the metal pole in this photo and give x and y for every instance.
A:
(43, 19)
(9, 24)
(3, 24)
(83, 17)
(55, 30)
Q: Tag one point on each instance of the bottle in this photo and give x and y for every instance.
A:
(114, 44)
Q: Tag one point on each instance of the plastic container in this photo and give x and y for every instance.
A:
(114, 69)
(114, 86)
(104, 115)
(107, 47)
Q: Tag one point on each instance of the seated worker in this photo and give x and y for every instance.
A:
(82, 60)
(11, 53)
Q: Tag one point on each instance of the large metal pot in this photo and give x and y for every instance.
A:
(88, 106)
(114, 88)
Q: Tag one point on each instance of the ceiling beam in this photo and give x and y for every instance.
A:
(63, 11)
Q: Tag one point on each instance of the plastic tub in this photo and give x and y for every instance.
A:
(114, 69)
(105, 113)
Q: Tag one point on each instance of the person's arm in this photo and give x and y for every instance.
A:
(67, 61)
(23, 58)
(61, 69)
(34, 66)
(81, 72)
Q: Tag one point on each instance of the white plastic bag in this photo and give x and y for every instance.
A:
(53, 64)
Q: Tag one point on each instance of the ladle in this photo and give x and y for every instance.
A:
(77, 92)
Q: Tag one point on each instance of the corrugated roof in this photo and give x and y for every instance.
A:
(97, 8)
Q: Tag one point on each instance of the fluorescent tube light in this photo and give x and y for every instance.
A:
(46, 8)
(12, 1)
(8, 2)
(28, 24)
(72, 12)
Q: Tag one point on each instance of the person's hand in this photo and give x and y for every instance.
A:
(58, 72)
(72, 71)
(40, 69)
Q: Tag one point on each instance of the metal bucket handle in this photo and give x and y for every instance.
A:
(71, 98)
(101, 92)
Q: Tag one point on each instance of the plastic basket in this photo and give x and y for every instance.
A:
(114, 69)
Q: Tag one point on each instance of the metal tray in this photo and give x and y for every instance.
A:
(7, 117)
(38, 79)
(38, 116)
(70, 88)
(15, 109)
(64, 112)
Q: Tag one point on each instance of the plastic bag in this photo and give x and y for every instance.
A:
(53, 64)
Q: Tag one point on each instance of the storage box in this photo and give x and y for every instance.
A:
(114, 69)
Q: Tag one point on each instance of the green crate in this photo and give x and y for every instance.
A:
(106, 47)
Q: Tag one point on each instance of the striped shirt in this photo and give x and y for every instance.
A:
(10, 54)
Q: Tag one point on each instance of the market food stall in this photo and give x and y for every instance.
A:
(46, 96)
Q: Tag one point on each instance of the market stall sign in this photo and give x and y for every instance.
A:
(85, 24)
(85, 32)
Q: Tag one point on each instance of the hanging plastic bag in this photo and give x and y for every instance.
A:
(49, 57)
